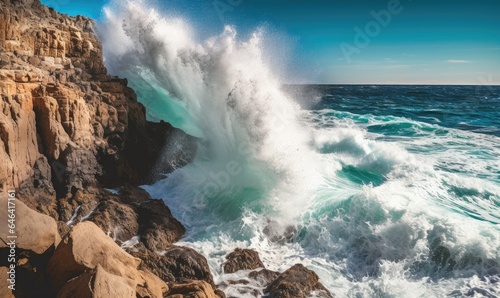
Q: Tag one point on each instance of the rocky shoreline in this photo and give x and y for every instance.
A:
(69, 133)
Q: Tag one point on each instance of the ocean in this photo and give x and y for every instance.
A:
(383, 191)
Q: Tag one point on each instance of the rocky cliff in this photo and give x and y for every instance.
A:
(68, 133)
(66, 125)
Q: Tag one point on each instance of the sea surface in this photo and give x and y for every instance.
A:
(383, 191)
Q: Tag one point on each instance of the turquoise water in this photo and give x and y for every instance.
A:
(383, 191)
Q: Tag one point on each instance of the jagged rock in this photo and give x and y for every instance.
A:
(157, 227)
(191, 289)
(297, 282)
(85, 247)
(242, 259)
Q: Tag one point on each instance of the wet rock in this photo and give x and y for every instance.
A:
(297, 282)
(242, 259)
(120, 221)
(157, 227)
(264, 277)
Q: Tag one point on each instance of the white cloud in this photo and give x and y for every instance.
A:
(458, 61)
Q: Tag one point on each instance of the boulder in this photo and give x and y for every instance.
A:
(35, 232)
(97, 283)
(297, 282)
(242, 259)
(85, 247)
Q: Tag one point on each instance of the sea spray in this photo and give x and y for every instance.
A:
(233, 100)
(378, 206)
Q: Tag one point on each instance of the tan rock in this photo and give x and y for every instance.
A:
(85, 247)
(191, 289)
(35, 232)
(97, 283)
(5, 292)
(150, 285)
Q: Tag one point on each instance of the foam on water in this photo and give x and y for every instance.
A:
(378, 206)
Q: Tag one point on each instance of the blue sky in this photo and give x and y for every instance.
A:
(355, 41)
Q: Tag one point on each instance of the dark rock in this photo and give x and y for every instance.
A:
(297, 282)
(176, 264)
(264, 277)
(186, 263)
(118, 220)
(242, 259)
(157, 227)
(152, 261)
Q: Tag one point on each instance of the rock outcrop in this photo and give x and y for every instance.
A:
(66, 125)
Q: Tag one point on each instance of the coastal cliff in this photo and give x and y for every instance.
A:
(75, 145)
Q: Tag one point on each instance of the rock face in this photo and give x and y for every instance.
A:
(242, 259)
(297, 282)
(66, 125)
